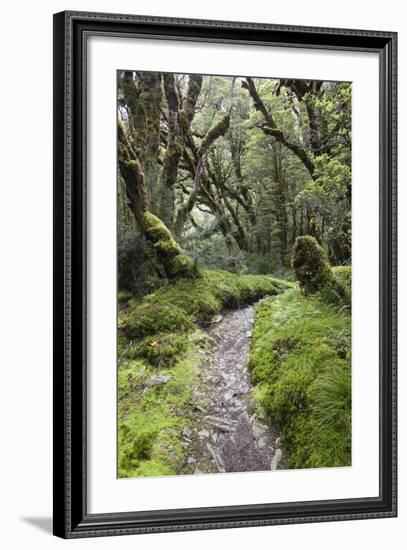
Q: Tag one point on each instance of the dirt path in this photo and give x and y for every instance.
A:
(229, 434)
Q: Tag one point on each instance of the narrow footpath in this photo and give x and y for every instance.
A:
(229, 434)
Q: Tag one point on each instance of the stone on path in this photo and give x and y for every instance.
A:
(258, 430)
(262, 442)
(187, 432)
(161, 379)
(217, 319)
(216, 457)
(276, 459)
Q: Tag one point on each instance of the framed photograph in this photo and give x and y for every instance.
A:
(224, 274)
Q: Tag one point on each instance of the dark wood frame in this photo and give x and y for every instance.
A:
(71, 519)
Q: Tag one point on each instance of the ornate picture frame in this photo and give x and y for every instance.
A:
(72, 518)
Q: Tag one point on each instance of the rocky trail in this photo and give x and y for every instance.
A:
(227, 432)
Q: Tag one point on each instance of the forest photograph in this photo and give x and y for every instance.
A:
(234, 253)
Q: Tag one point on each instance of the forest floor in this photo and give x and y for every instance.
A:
(230, 433)
(208, 368)
(171, 353)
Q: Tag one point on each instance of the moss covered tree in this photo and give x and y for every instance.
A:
(236, 168)
(314, 273)
(311, 265)
(169, 255)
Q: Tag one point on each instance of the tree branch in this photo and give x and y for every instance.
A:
(269, 127)
(214, 133)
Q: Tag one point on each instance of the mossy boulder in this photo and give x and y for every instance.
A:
(311, 265)
(315, 274)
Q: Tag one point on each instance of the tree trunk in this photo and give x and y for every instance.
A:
(173, 153)
(168, 253)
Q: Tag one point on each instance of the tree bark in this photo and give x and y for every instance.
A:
(168, 253)
(213, 134)
(172, 155)
(133, 177)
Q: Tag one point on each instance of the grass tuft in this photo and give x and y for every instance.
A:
(300, 363)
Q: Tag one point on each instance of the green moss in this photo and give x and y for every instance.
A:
(254, 287)
(167, 449)
(131, 376)
(153, 468)
(314, 273)
(122, 320)
(160, 335)
(206, 296)
(300, 364)
(175, 306)
(192, 298)
(336, 292)
(311, 265)
(161, 349)
(151, 417)
(169, 254)
(132, 163)
(181, 266)
(344, 274)
(150, 318)
(158, 325)
(167, 248)
(123, 297)
(154, 229)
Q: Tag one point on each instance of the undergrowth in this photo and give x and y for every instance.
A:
(160, 349)
(152, 416)
(300, 364)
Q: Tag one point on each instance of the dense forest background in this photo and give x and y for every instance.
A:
(235, 167)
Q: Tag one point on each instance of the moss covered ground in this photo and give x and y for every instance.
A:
(160, 350)
(300, 365)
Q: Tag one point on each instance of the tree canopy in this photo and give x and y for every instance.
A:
(233, 168)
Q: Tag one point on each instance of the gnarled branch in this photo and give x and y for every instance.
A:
(269, 127)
